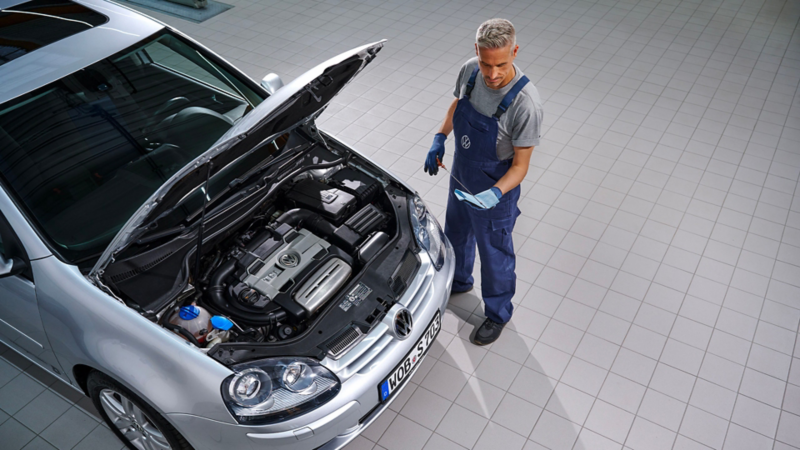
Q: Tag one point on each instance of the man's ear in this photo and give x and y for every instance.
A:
(516, 48)
(476, 51)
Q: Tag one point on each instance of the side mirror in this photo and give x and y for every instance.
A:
(271, 83)
(11, 266)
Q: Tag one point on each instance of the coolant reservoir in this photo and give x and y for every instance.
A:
(194, 319)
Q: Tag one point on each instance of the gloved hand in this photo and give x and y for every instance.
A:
(436, 151)
(487, 199)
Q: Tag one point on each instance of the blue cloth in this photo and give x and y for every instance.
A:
(484, 200)
(476, 165)
(436, 151)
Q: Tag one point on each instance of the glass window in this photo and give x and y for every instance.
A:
(174, 54)
(82, 154)
(32, 25)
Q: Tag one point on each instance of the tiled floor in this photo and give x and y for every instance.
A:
(38, 412)
(658, 253)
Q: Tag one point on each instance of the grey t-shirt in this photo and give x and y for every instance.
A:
(521, 124)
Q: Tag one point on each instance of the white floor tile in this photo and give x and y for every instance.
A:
(659, 243)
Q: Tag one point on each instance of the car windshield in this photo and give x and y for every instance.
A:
(84, 153)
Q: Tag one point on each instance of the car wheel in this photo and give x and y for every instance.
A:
(134, 422)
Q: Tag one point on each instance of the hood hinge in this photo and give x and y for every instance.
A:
(97, 281)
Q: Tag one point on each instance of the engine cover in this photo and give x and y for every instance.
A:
(276, 273)
(323, 284)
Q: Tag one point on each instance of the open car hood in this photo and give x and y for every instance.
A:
(293, 105)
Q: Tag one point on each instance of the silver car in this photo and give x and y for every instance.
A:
(187, 248)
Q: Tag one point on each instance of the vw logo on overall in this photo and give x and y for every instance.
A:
(403, 322)
(465, 143)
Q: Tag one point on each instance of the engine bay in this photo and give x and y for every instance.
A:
(305, 271)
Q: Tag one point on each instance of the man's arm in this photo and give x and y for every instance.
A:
(436, 153)
(447, 125)
(518, 170)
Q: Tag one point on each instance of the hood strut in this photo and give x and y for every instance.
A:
(201, 226)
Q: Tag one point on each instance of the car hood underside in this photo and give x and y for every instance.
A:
(297, 103)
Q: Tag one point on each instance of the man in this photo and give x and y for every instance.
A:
(496, 119)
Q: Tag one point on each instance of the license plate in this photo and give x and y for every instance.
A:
(403, 370)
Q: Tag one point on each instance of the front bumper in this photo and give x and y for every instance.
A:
(357, 405)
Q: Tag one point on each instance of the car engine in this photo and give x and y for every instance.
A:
(285, 272)
(305, 271)
(279, 272)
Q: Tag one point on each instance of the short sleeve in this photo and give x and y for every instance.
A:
(526, 131)
(460, 81)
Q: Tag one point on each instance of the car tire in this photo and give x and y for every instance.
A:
(132, 419)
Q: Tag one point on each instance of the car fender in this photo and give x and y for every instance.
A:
(86, 326)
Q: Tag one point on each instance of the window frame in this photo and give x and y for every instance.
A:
(198, 80)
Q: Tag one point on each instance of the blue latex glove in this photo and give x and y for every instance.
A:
(487, 199)
(436, 151)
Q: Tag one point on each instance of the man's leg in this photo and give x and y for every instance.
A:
(498, 264)
(458, 229)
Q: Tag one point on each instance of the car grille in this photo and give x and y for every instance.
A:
(343, 342)
(358, 355)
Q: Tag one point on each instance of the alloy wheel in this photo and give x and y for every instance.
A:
(132, 422)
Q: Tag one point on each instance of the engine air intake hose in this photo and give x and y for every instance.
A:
(311, 221)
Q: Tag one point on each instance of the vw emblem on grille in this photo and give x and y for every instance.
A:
(403, 323)
(465, 143)
(289, 260)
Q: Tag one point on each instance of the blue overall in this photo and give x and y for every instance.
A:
(476, 165)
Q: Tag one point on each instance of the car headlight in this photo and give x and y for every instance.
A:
(427, 231)
(277, 389)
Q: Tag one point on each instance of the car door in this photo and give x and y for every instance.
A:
(20, 324)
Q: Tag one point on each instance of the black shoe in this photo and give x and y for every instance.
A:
(488, 332)
(463, 291)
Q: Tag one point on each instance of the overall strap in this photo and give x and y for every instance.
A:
(471, 82)
(509, 98)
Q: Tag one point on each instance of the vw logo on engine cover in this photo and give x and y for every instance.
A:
(403, 323)
(465, 143)
(289, 259)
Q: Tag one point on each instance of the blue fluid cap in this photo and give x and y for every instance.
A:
(189, 312)
(221, 323)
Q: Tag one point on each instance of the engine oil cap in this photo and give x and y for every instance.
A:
(221, 323)
(189, 312)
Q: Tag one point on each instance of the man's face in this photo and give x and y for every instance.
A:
(496, 65)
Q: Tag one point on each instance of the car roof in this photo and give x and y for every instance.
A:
(124, 28)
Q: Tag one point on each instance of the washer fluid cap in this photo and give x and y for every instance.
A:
(221, 323)
(189, 312)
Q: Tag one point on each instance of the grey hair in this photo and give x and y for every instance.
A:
(496, 33)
